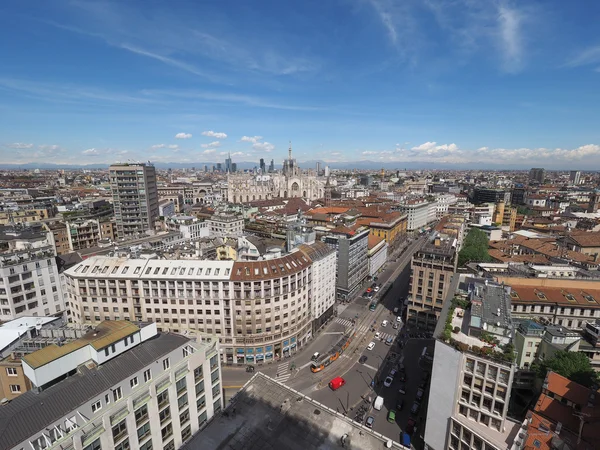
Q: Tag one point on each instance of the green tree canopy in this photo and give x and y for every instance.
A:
(475, 248)
(572, 365)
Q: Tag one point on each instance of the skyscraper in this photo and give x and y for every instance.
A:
(228, 164)
(318, 168)
(135, 197)
(219, 167)
(575, 177)
(263, 166)
(272, 167)
(233, 167)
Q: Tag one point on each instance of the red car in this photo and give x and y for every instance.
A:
(337, 383)
(410, 426)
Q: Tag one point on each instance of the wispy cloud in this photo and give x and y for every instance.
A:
(214, 144)
(590, 55)
(18, 145)
(209, 151)
(509, 21)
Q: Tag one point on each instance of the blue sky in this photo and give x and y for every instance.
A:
(448, 81)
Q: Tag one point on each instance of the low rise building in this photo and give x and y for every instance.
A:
(121, 386)
(226, 224)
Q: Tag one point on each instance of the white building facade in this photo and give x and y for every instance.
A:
(418, 214)
(151, 391)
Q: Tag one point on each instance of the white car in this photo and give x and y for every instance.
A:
(371, 346)
(398, 319)
(384, 323)
(388, 381)
(376, 288)
(377, 335)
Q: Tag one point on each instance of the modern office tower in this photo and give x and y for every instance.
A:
(135, 197)
(432, 268)
(352, 247)
(470, 389)
(29, 280)
(485, 195)
(272, 167)
(228, 167)
(219, 167)
(233, 167)
(263, 167)
(537, 175)
(575, 177)
(121, 386)
(318, 168)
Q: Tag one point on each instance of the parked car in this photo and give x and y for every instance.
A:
(400, 404)
(392, 416)
(416, 406)
(377, 335)
(376, 288)
(369, 290)
(402, 388)
(398, 319)
(393, 373)
(362, 359)
(378, 403)
(371, 346)
(370, 421)
(389, 341)
(410, 426)
(388, 381)
(420, 393)
(402, 376)
(384, 323)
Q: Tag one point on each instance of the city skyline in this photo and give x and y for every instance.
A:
(494, 85)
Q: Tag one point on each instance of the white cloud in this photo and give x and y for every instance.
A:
(263, 147)
(253, 139)
(209, 151)
(19, 145)
(90, 152)
(239, 154)
(174, 146)
(214, 144)
(431, 148)
(50, 148)
(183, 136)
(214, 134)
(157, 146)
(369, 152)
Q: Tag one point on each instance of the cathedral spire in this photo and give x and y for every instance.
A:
(290, 151)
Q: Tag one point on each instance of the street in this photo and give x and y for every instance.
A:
(357, 390)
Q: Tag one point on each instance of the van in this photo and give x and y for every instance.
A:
(378, 403)
(337, 383)
(315, 356)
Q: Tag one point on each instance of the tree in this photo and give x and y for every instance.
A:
(572, 365)
(475, 248)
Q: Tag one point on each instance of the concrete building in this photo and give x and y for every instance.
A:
(190, 227)
(135, 197)
(30, 283)
(432, 268)
(417, 214)
(226, 224)
(351, 247)
(323, 260)
(166, 208)
(128, 386)
(537, 175)
(469, 391)
(259, 310)
(292, 419)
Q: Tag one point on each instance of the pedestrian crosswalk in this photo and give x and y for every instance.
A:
(385, 336)
(345, 322)
(283, 372)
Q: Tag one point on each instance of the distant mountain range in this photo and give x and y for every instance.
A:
(361, 165)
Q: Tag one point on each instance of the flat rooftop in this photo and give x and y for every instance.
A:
(266, 415)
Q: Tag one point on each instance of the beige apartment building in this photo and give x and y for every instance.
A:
(259, 310)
